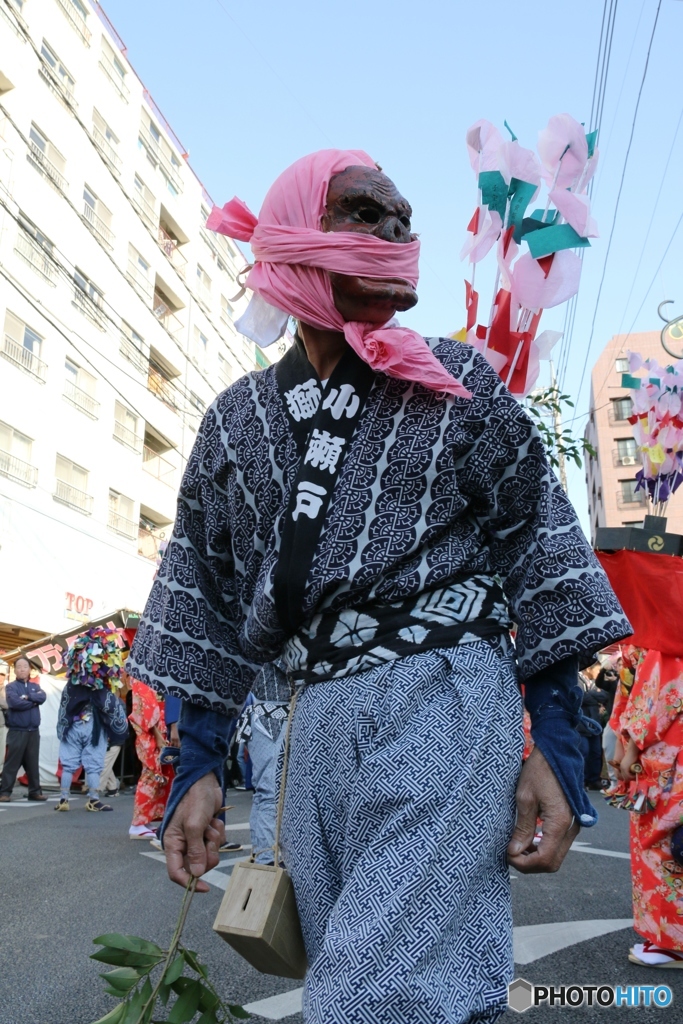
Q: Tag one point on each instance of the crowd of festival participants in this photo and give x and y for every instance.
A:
(630, 734)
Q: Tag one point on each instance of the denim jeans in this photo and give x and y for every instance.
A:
(264, 754)
(77, 749)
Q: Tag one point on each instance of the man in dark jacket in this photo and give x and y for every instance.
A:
(23, 736)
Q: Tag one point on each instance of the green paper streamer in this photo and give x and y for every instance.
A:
(553, 239)
(520, 194)
(514, 137)
(591, 139)
(494, 191)
(627, 381)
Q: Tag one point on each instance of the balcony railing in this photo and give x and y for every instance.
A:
(18, 470)
(158, 466)
(24, 359)
(166, 317)
(76, 20)
(98, 226)
(62, 90)
(72, 497)
(145, 208)
(162, 388)
(43, 164)
(37, 257)
(140, 281)
(127, 436)
(119, 524)
(625, 458)
(631, 501)
(89, 308)
(169, 247)
(106, 149)
(81, 399)
(114, 77)
(130, 351)
(151, 545)
(157, 153)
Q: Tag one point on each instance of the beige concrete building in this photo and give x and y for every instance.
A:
(611, 477)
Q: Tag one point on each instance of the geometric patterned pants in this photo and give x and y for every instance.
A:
(399, 806)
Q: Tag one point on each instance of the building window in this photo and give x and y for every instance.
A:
(97, 217)
(114, 69)
(197, 402)
(46, 158)
(629, 495)
(79, 389)
(203, 287)
(260, 359)
(106, 141)
(621, 365)
(71, 485)
(627, 451)
(126, 428)
(15, 456)
(621, 409)
(36, 249)
(227, 310)
(138, 274)
(77, 14)
(89, 299)
(57, 74)
(122, 515)
(638, 523)
(133, 348)
(160, 380)
(22, 346)
(160, 154)
(200, 348)
(145, 202)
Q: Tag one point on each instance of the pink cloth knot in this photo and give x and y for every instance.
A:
(293, 258)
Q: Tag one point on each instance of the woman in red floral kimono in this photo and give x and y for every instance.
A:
(154, 784)
(648, 720)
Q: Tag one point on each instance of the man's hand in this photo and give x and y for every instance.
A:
(539, 795)
(194, 834)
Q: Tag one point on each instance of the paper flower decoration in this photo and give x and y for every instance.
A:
(657, 421)
(537, 267)
(95, 660)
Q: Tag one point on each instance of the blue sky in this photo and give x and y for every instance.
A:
(250, 87)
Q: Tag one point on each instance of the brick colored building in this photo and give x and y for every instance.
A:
(611, 477)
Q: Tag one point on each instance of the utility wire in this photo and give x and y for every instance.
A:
(619, 192)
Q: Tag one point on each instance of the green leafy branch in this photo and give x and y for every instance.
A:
(559, 443)
(134, 961)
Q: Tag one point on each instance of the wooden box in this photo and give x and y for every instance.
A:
(259, 919)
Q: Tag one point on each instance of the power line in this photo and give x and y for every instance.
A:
(619, 192)
(602, 65)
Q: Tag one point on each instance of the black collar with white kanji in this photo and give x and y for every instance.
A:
(323, 422)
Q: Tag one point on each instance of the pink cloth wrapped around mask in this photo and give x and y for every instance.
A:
(293, 257)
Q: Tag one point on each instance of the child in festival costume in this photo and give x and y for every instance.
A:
(90, 713)
(648, 720)
(151, 792)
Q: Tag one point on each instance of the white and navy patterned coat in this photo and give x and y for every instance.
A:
(431, 488)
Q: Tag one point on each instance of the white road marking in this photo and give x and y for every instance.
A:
(277, 1007)
(241, 826)
(587, 848)
(217, 876)
(534, 941)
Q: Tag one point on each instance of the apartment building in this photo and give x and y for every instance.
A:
(116, 309)
(611, 476)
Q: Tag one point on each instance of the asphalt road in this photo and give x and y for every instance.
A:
(65, 878)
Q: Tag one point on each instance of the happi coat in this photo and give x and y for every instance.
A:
(444, 524)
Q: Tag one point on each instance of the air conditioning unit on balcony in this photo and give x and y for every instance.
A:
(628, 460)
